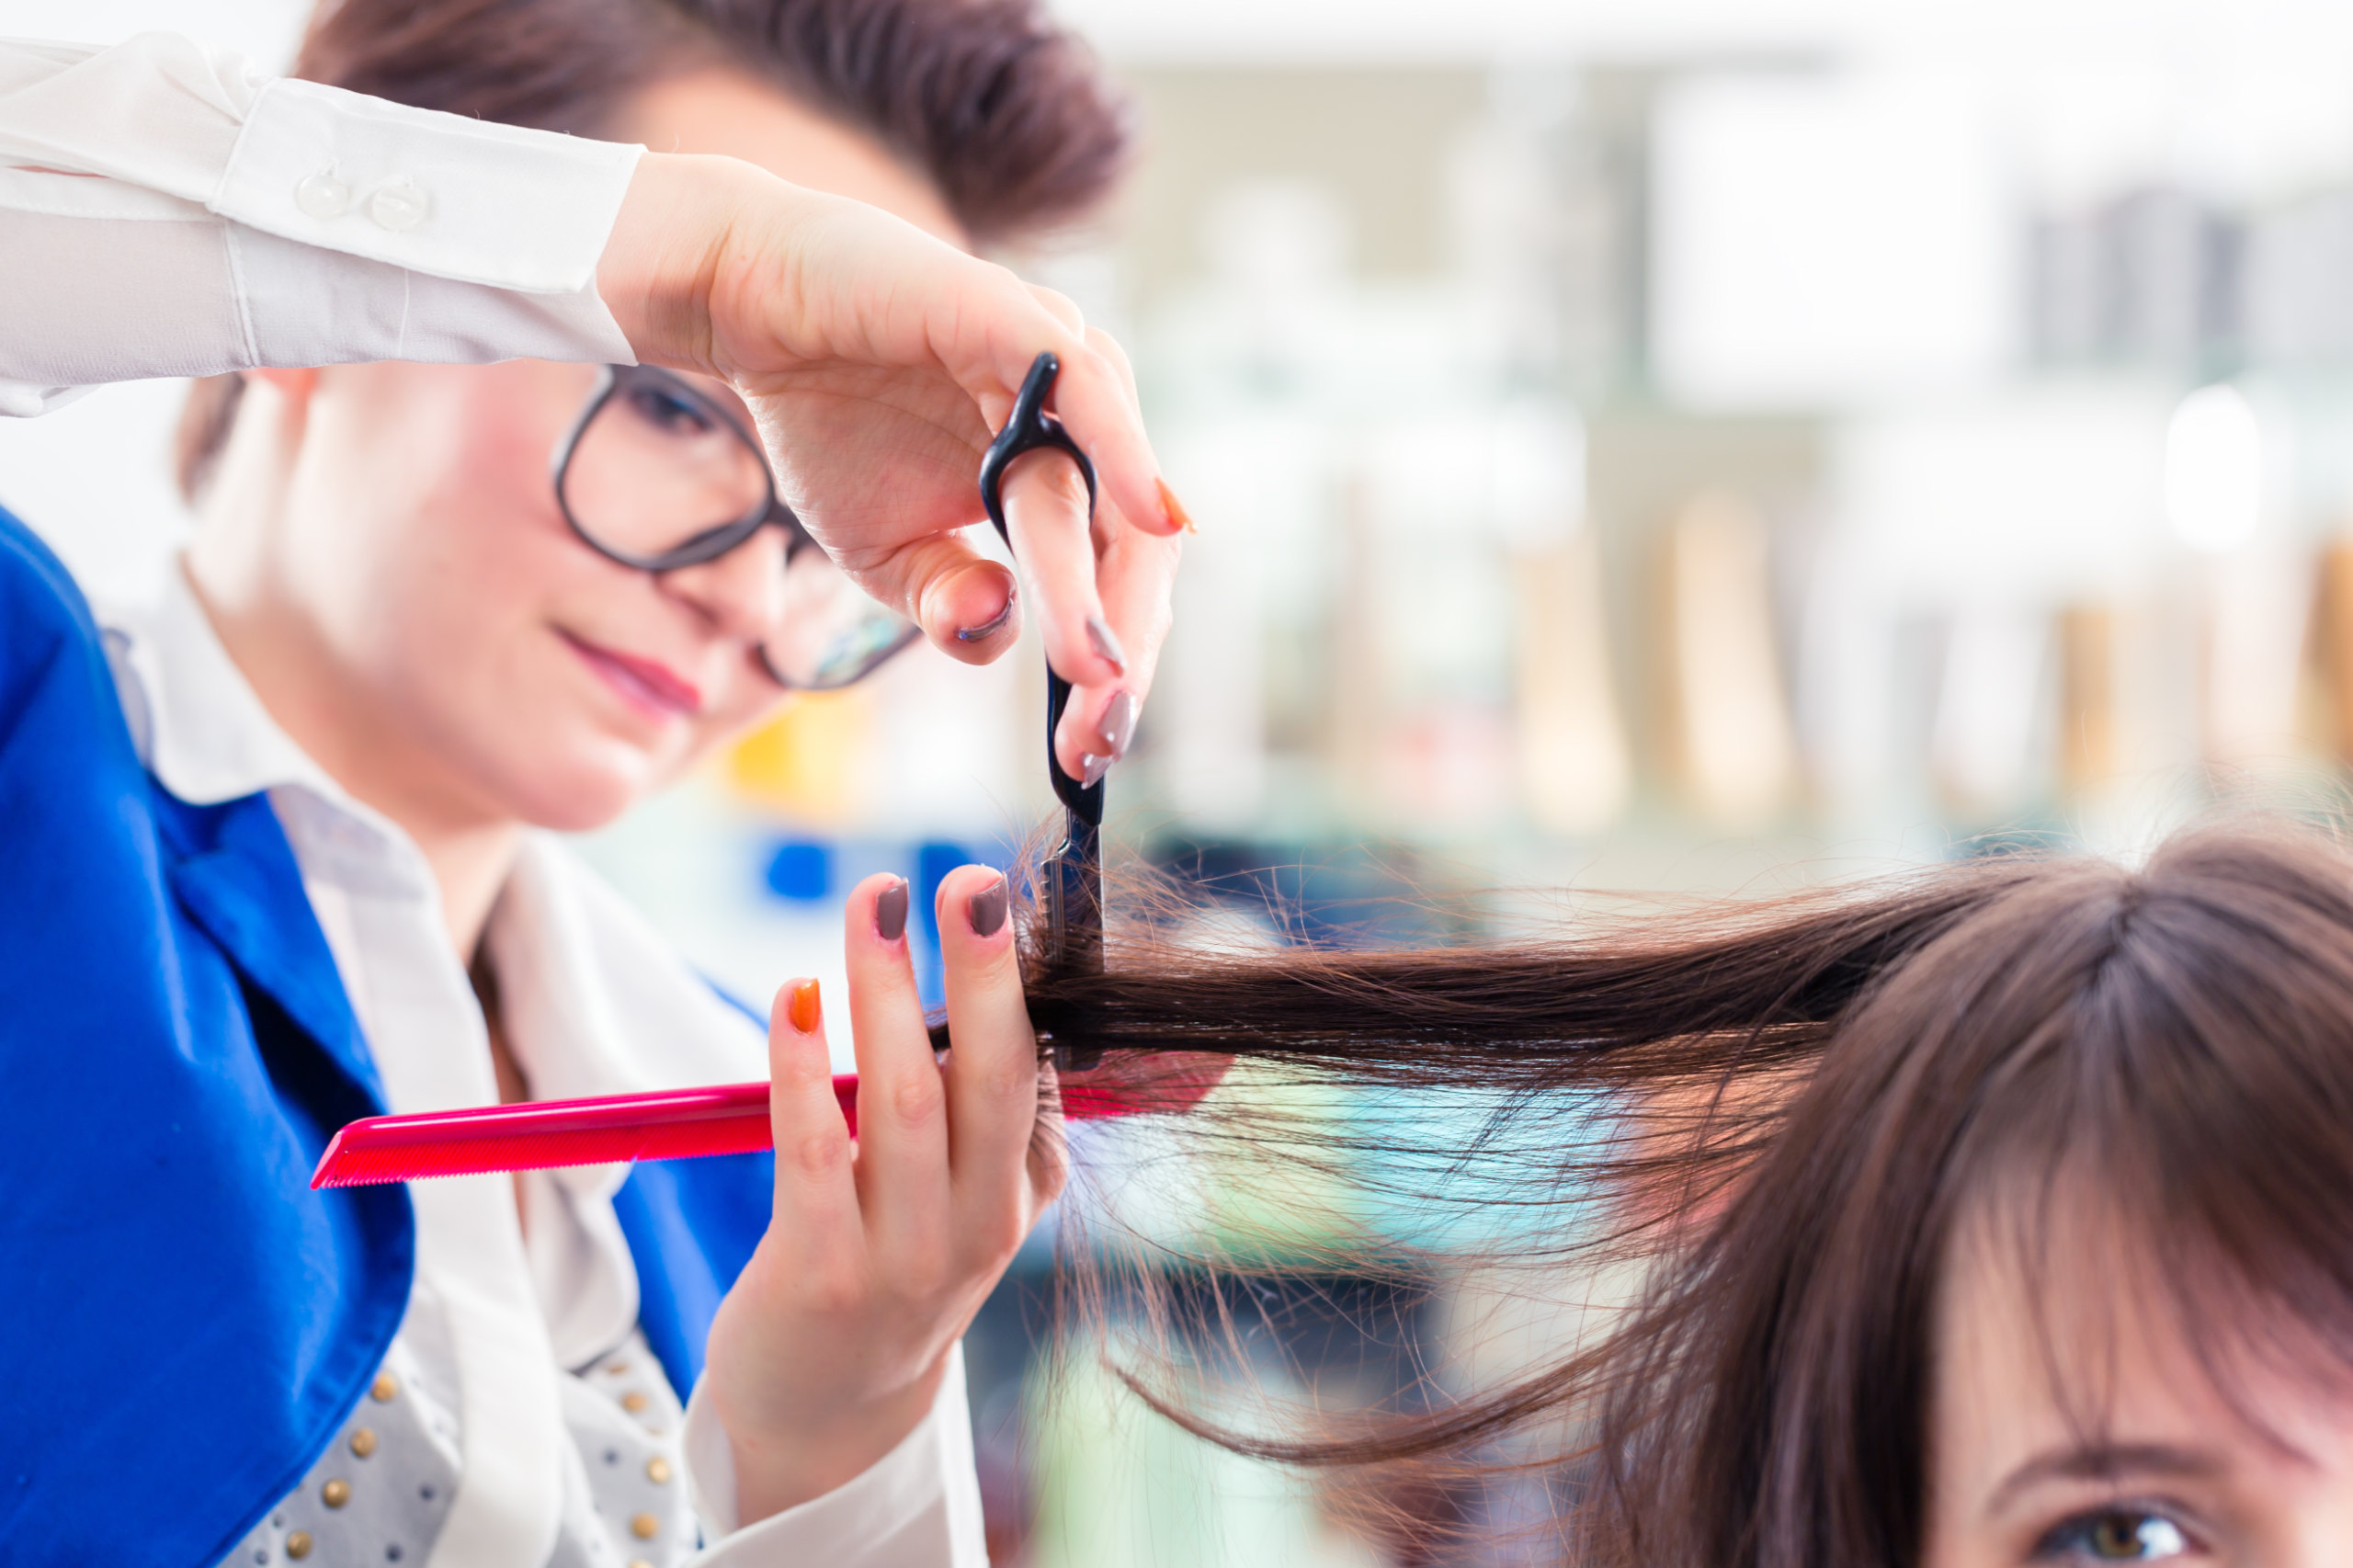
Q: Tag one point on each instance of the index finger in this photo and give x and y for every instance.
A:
(1097, 406)
(1132, 583)
(993, 1060)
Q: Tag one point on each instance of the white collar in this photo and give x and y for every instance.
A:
(200, 728)
(592, 1000)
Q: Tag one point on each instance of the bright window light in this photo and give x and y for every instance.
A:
(2214, 470)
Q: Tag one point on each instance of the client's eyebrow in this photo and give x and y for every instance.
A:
(2105, 1461)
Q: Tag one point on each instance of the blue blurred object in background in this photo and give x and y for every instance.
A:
(934, 859)
(801, 871)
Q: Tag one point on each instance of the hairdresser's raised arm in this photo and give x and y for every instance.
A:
(168, 209)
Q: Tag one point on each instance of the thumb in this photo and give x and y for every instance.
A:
(964, 601)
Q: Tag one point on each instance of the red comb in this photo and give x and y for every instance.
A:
(729, 1118)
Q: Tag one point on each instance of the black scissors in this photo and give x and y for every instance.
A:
(1072, 877)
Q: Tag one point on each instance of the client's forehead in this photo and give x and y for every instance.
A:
(2060, 1347)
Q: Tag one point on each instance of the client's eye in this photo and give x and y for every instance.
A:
(2115, 1535)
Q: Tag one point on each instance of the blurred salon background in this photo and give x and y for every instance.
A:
(1667, 446)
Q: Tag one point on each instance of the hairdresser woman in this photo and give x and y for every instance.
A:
(271, 856)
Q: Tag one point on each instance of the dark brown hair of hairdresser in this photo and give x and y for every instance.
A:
(1008, 115)
(1787, 1112)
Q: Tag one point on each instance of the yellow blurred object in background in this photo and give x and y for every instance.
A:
(2091, 730)
(806, 762)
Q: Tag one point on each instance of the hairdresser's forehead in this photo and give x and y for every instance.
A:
(717, 110)
(2053, 1332)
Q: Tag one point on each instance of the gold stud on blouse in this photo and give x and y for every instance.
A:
(335, 1494)
(657, 1471)
(385, 1386)
(363, 1442)
(645, 1526)
(632, 1402)
(297, 1545)
(618, 1368)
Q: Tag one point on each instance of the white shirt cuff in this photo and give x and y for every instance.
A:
(466, 199)
(917, 1506)
(235, 221)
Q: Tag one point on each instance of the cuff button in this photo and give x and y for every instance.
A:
(323, 196)
(397, 207)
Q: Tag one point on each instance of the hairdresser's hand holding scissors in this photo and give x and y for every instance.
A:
(878, 360)
(830, 1346)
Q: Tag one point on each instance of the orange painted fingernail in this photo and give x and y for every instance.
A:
(1175, 509)
(803, 1009)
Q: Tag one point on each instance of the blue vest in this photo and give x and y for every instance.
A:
(187, 1323)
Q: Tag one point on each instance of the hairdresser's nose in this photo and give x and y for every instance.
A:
(742, 593)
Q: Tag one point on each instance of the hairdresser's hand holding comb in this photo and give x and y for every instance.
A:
(830, 1349)
(879, 360)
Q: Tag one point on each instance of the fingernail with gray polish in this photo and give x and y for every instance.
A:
(986, 909)
(1105, 643)
(891, 912)
(988, 627)
(1091, 769)
(1120, 723)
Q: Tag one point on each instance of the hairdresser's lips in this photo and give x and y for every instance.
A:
(652, 687)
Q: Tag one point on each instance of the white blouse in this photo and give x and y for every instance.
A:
(521, 1414)
(166, 211)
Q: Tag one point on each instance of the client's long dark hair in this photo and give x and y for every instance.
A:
(1782, 1112)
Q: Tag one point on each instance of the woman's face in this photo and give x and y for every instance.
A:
(2134, 1456)
(442, 641)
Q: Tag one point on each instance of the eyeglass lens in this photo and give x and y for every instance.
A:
(829, 633)
(662, 477)
(657, 469)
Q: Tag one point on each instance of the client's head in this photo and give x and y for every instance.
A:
(2004, 1216)
(2050, 1258)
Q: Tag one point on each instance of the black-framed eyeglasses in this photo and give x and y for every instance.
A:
(656, 474)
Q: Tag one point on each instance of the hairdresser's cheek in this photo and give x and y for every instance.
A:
(746, 703)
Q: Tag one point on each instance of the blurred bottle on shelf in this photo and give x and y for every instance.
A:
(1575, 773)
(2296, 309)
(2091, 720)
(1730, 742)
(2148, 277)
(2333, 645)
(2252, 662)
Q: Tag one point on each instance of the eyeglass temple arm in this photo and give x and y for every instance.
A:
(1074, 875)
